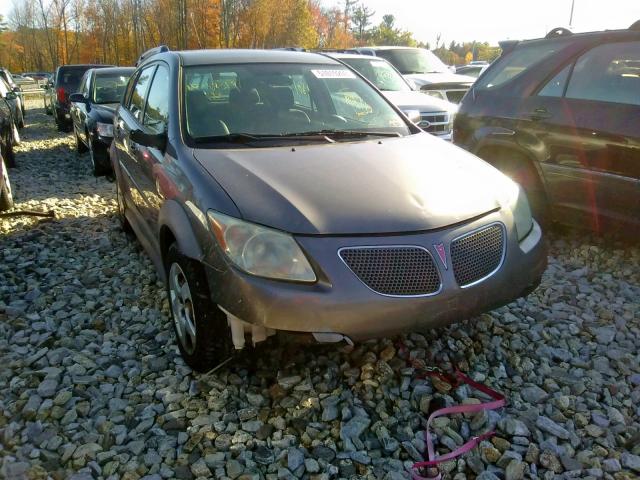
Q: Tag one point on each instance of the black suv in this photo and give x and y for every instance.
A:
(67, 82)
(560, 115)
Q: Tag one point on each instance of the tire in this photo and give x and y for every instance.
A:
(15, 135)
(80, 146)
(203, 335)
(6, 197)
(6, 151)
(124, 223)
(99, 160)
(519, 168)
(21, 120)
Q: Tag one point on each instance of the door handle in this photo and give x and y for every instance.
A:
(540, 113)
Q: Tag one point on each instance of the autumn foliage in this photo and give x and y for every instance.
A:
(39, 35)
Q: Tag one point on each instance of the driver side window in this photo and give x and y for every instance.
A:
(139, 93)
(156, 113)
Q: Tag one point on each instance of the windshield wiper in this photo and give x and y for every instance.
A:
(236, 137)
(343, 134)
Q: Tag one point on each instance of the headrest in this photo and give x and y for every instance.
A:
(283, 97)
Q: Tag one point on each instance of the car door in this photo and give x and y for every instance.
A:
(129, 119)
(150, 160)
(587, 117)
(78, 110)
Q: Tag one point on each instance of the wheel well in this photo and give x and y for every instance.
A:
(166, 239)
(502, 157)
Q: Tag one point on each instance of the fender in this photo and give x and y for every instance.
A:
(173, 217)
(526, 145)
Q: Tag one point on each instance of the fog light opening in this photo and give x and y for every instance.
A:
(240, 328)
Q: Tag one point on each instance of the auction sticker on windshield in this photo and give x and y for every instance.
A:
(325, 73)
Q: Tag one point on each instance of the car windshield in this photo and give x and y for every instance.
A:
(413, 60)
(69, 78)
(280, 100)
(380, 73)
(109, 88)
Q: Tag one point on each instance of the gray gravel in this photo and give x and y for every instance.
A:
(94, 386)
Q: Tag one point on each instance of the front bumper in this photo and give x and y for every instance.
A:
(340, 303)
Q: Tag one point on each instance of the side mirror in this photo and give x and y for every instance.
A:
(153, 140)
(77, 98)
(11, 96)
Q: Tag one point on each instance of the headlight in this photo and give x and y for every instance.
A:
(260, 251)
(519, 205)
(105, 129)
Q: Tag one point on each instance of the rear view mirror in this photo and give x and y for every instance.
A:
(77, 98)
(153, 140)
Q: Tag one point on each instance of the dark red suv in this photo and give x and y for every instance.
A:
(561, 116)
(67, 82)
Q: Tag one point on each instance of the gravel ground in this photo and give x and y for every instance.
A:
(93, 386)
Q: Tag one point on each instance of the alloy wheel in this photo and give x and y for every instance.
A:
(182, 308)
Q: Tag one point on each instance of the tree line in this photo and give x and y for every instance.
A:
(40, 35)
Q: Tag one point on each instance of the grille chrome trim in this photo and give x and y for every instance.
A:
(382, 247)
(436, 123)
(472, 232)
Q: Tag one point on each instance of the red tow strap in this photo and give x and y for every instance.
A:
(455, 379)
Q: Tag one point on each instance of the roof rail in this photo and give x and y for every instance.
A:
(559, 32)
(635, 26)
(291, 49)
(508, 45)
(151, 52)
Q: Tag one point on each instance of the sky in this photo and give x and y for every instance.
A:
(495, 20)
(490, 20)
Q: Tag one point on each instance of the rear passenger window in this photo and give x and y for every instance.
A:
(156, 114)
(608, 73)
(515, 63)
(555, 86)
(139, 94)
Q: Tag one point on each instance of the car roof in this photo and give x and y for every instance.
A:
(389, 47)
(354, 55)
(582, 36)
(84, 65)
(226, 56)
(108, 70)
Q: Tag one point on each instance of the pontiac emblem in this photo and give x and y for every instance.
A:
(442, 253)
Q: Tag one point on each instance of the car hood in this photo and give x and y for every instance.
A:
(394, 185)
(419, 101)
(104, 111)
(429, 78)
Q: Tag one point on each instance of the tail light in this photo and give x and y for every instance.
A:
(61, 95)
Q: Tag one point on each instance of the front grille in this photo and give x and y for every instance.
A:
(394, 270)
(436, 123)
(477, 255)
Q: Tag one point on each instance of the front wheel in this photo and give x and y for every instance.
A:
(203, 335)
(6, 148)
(80, 146)
(99, 160)
(6, 197)
(124, 223)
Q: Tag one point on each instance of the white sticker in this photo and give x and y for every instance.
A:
(339, 73)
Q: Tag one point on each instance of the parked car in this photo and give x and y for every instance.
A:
(425, 70)
(472, 70)
(431, 114)
(6, 196)
(269, 204)
(92, 110)
(13, 100)
(560, 115)
(7, 130)
(39, 76)
(67, 81)
(7, 77)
